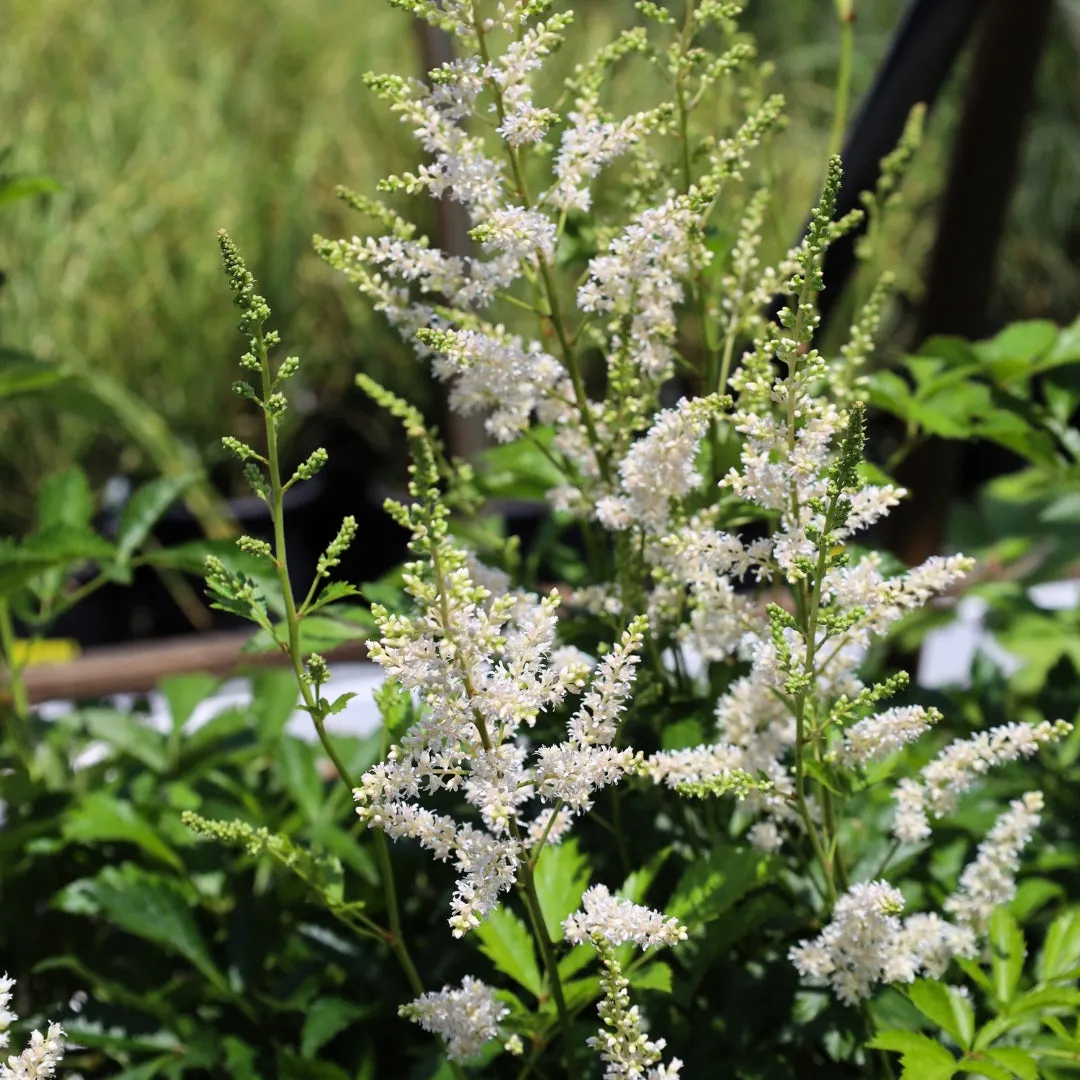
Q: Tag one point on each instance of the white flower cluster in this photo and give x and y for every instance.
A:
(659, 468)
(625, 1048)
(866, 942)
(480, 665)
(854, 951)
(43, 1053)
(958, 766)
(882, 734)
(788, 462)
(606, 917)
(465, 1018)
(990, 880)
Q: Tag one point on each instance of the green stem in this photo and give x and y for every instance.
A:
(845, 10)
(20, 700)
(527, 884)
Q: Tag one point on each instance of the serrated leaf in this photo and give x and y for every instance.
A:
(654, 976)
(712, 885)
(945, 1007)
(1061, 952)
(144, 510)
(147, 905)
(240, 1059)
(64, 501)
(126, 733)
(984, 1068)
(1007, 952)
(507, 943)
(562, 876)
(326, 1018)
(921, 1057)
(1017, 1061)
(339, 703)
(336, 590)
(100, 817)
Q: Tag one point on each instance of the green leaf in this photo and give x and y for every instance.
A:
(318, 633)
(183, 693)
(1061, 952)
(983, 1068)
(1017, 1061)
(1007, 952)
(64, 501)
(921, 1057)
(300, 777)
(1011, 354)
(945, 1007)
(327, 1017)
(711, 886)
(637, 884)
(147, 905)
(144, 510)
(23, 187)
(240, 1059)
(1066, 349)
(562, 876)
(274, 696)
(519, 469)
(654, 976)
(99, 817)
(28, 377)
(127, 734)
(507, 943)
(336, 590)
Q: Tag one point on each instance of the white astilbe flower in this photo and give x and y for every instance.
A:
(883, 734)
(926, 945)
(482, 668)
(588, 144)
(464, 1018)
(852, 952)
(494, 370)
(43, 1052)
(606, 918)
(958, 766)
(7, 1017)
(659, 468)
(522, 122)
(571, 771)
(524, 235)
(640, 277)
(990, 880)
(625, 1048)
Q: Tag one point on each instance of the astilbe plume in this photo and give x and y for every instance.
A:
(606, 922)
(479, 659)
(43, 1052)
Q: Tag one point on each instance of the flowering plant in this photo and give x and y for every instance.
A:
(707, 673)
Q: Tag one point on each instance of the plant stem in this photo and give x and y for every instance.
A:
(527, 884)
(20, 701)
(846, 13)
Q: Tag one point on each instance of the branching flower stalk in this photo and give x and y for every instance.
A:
(234, 592)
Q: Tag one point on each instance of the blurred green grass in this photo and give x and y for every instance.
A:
(164, 122)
